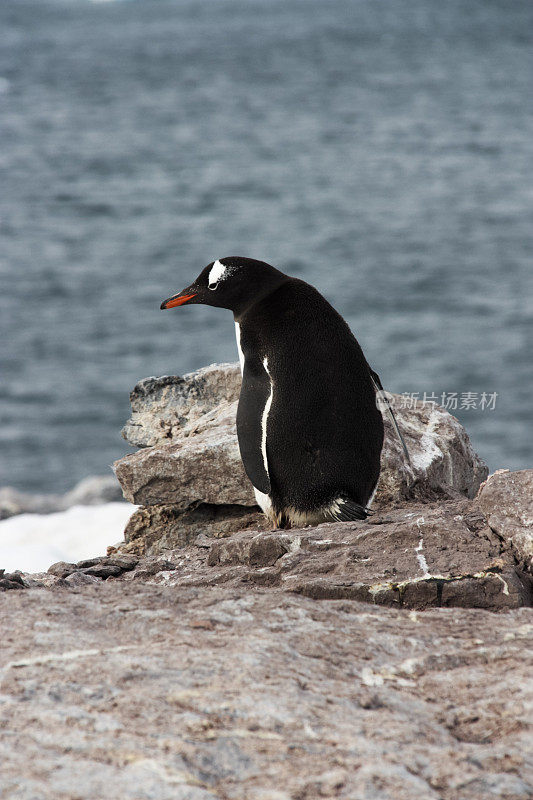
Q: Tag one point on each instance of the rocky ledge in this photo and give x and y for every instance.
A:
(145, 688)
(188, 477)
(462, 553)
(208, 658)
(432, 541)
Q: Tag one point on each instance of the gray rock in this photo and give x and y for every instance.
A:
(507, 500)
(89, 562)
(93, 491)
(108, 566)
(11, 580)
(253, 693)
(194, 457)
(103, 570)
(81, 579)
(256, 550)
(13, 502)
(204, 466)
(443, 461)
(190, 464)
(94, 568)
(167, 407)
(417, 556)
(154, 529)
(61, 569)
(123, 561)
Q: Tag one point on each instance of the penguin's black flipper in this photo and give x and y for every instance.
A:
(255, 393)
(378, 387)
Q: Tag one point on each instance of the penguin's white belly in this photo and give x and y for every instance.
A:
(264, 502)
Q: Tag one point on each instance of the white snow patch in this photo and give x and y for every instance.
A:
(32, 542)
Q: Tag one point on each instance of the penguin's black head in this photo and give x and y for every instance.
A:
(234, 282)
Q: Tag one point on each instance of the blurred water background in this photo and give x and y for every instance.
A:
(381, 151)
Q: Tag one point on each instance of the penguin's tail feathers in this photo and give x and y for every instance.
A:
(345, 510)
(380, 391)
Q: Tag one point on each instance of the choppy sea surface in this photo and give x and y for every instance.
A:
(381, 151)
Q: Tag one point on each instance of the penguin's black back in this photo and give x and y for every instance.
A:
(324, 432)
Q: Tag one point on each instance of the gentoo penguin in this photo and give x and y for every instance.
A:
(310, 432)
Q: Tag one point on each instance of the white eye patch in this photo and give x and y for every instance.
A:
(217, 272)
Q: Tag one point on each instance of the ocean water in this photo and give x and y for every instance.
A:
(381, 151)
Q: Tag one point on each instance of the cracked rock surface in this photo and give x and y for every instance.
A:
(210, 658)
(137, 690)
(506, 498)
(417, 556)
(246, 667)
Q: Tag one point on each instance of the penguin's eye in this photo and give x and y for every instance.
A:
(213, 286)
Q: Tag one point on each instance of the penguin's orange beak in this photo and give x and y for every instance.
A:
(176, 300)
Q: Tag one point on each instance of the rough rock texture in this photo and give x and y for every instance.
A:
(90, 491)
(506, 498)
(191, 455)
(420, 555)
(443, 460)
(202, 407)
(417, 556)
(135, 690)
(11, 580)
(204, 466)
(154, 529)
(168, 407)
(437, 555)
(246, 667)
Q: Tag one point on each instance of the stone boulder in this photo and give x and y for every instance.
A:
(165, 409)
(158, 528)
(247, 666)
(506, 498)
(169, 410)
(190, 456)
(203, 466)
(443, 461)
